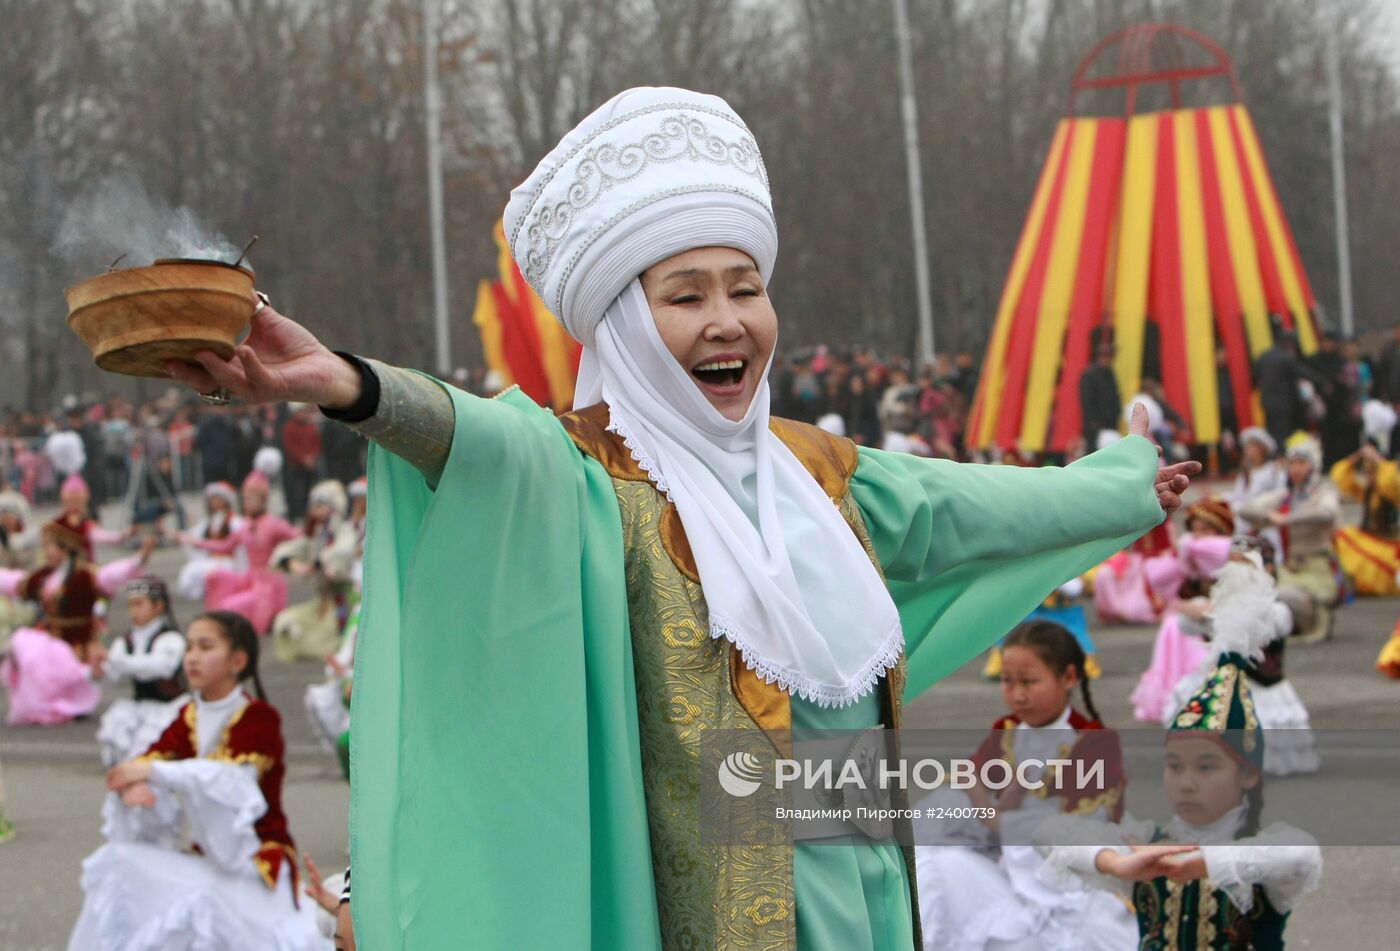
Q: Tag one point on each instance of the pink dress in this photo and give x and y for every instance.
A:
(260, 592)
(1176, 652)
(46, 681)
(1120, 590)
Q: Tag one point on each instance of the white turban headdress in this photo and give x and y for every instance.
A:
(651, 173)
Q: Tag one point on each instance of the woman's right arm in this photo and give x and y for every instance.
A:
(412, 416)
(281, 361)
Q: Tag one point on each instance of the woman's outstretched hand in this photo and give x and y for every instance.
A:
(1172, 481)
(280, 361)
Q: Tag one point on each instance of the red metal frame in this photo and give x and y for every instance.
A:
(1149, 54)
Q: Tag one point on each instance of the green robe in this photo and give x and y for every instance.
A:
(497, 795)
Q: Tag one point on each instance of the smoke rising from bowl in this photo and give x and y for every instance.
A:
(116, 216)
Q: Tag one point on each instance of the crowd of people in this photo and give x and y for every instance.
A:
(1281, 514)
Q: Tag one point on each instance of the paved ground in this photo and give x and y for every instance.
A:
(54, 782)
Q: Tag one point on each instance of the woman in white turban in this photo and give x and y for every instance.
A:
(558, 611)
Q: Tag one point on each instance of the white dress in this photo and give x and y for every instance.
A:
(198, 564)
(140, 894)
(129, 726)
(973, 897)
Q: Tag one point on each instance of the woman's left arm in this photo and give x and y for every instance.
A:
(968, 551)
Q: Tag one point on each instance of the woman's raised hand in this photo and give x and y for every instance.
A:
(280, 361)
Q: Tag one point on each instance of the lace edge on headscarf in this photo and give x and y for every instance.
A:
(639, 455)
(823, 695)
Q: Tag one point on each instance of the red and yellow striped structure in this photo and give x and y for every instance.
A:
(523, 341)
(1169, 217)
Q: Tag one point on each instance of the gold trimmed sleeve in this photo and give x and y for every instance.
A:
(414, 421)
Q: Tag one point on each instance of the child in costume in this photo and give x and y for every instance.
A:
(76, 500)
(325, 552)
(150, 655)
(1065, 608)
(328, 702)
(45, 668)
(1260, 473)
(217, 772)
(1306, 514)
(973, 899)
(1182, 580)
(1122, 589)
(1388, 662)
(19, 544)
(1369, 553)
(220, 521)
(1280, 710)
(257, 592)
(1209, 878)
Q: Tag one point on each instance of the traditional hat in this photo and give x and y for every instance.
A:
(14, 504)
(651, 173)
(1303, 446)
(148, 586)
(222, 490)
(256, 480)
(1215, 512)
(66, 535)
(75, 483)
(1242, 623)
(1261, 436)
(359, 489)
(332, 493)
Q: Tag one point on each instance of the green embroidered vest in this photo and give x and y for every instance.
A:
(1192, 917)
(723, 897)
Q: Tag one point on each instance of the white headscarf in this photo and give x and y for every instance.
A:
(651, 174)
(785, 578)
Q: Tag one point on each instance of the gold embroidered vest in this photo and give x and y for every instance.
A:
(724, 897)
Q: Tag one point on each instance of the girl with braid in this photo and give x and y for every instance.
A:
(990, 895)
(214, 780)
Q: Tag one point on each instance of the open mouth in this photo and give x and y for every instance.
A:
(723, 374)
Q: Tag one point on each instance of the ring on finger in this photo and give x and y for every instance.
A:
(263, 301)
(219, 397)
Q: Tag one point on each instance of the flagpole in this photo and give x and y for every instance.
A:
(1339, 177)
(432, 95)
(909, 110)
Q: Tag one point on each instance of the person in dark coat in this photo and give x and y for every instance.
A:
(1341, 423)
(1100, 403)
(1277, 373)
(216, 441)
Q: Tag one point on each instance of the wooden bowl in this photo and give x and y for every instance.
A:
(136, 319)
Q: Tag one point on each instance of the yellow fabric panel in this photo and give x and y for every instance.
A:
(1052, 317)
(1195, 284)
(1370, 562)
(994, 373)
(1244, 256)
(1278, 239)
(1134, 249)
(489, 323)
